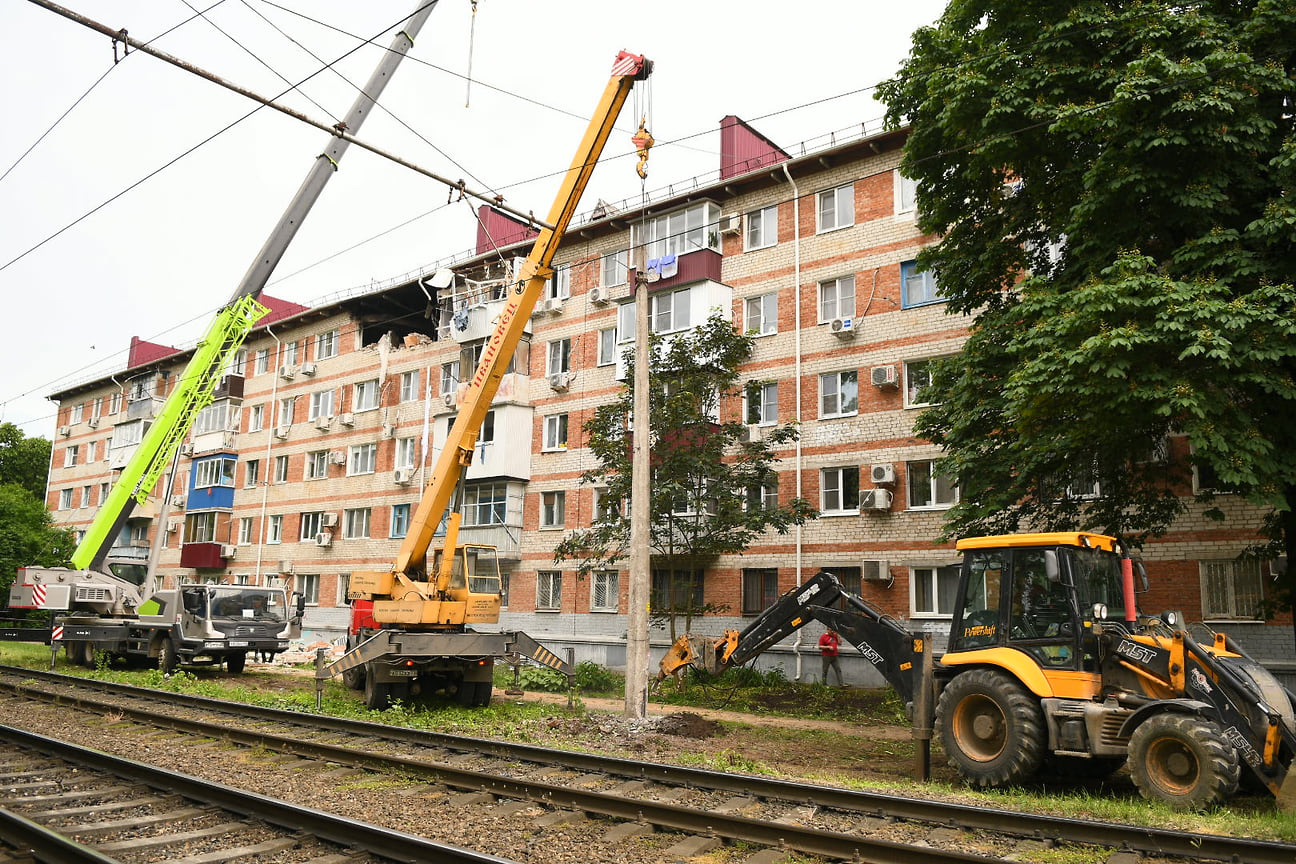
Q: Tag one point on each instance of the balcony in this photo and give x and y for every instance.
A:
(472, 323)
(507, 540)
(230, 387)
(201, 555)
(696, 266)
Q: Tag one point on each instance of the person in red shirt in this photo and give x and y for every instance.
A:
(828, 644)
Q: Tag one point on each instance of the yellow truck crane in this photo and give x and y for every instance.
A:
(1051, 668)
(411, 630)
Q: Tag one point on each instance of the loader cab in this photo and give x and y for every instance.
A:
(1036, 594)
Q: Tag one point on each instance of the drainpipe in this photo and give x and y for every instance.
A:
(796, 295)
(265, 476)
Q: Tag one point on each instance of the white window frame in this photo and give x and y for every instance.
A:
(915, 474)
(326, 345)
(245, 531)
(833, 482)
(690, 229)
(409, 386)
(761, 411)
(485, 499)
(362, 459)
(614, 269)
(553, 509)
(558, 356)
(209, 473)
(930, 576)
(70, 455)
(65, 499)
(607, 346)
(549, 591)
(312, 523)
(605, 584)
(251, 473)
(760, 314)
(356, 522)
(274, 531)
(406, 451)
(449, 376)
(555, 432)
(367, 395)
(316, 467)
(256, 418)
(833, 399)
(261, 361)
(905, 193)
(835, 209)
(281, 469)
(321, 404)
(837, 298)
(917, 375)
(558, 287)
(286, 411)
(289, 351)
(213, 418)
(309, 586)
(760, 230)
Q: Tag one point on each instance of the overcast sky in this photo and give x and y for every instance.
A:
(157, 261)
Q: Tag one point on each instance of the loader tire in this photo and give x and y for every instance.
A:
(377, 697)
(354, 678)
(1183, 760)
(236, 663)
(991, 727)
(168, 657)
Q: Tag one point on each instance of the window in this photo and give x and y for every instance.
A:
(504, 589)
(449, 376)
(400, 517)
(237, 363)
(553, 507)
(256, 418)
(761, 314)
(366, 395)
(679, 233)
(906, 195)
(604, 591)
(281, 469)
(326, 345)
(71, 455)
(933, 589)
(311, 524)
(558, 357)
(405, 450)
(200, 527)
(762, 228)
(363, 459)
(212, 418)
(355, 523)
(245, 530)
(837, 299)
(274, 530)
(1207, 479)
(918, 378)
(289, 354)
(555, 432)
(285, 411)
(261, 361)
(409, 386)
(838, 394)
(252, 472)
(759, 589)
(65, 499)
(343, 589)
(606, 508)
(86, 492)
(487, 433)
(929, 489)
(839, 490)
(485, 504)
(670, 312)
(1231, 589)
(90, 451)
(676, 589)
(762, 403)
(614, 269)
(321, 404)
(762, 497)
(213, 472)
(836, 209)
(76, 413)
(103, 493)
(126, 434)
(607, 346)
(559, 287)
(309, 586)
(918, 288)
(548, 591)
(317, 465)
(115, 403)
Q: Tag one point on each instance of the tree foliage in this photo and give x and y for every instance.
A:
(704, 471)
(1113, 186)
(23, 460)
(28, 536)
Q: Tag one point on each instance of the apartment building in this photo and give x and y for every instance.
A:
(311, 460)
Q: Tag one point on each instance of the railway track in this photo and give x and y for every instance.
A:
(68, 804)
(834, 823)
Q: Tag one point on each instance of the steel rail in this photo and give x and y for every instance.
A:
(378, 841)
(1034, 826)
(44, 845)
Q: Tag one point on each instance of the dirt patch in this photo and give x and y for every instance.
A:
(686, 724)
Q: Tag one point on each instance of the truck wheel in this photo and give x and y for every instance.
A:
(481, 693)
(354, 678)
(168, 658)
(992, 729)
(1183, 760)
(236, 663)
(377, 696)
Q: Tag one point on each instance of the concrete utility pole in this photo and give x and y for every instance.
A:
(636, 704)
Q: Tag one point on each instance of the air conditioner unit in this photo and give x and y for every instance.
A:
(560, 381)
(875, 499)
(323, 539)
(448, 399)
(346, 419)
(65, 431)
(287, 372)
(328, 520)
(843, 327)
(286, 566)
(177, 501)
(173, 525)
(281, 431)
(875, 570)
(884, 474)
(308, 368)
(323, 421)
(403, 475)
(228, 551)
(599, 295)
(337, 457)
(884, 376)
(388, 430)
(186, 449)
(757, 433)
(93, 422)
(731, 224)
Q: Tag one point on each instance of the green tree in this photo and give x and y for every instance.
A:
(28, 536)
(23, 460)
(1112, 183)
(706, 474)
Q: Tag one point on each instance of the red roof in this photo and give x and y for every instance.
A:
(497, 230)
(743, 149)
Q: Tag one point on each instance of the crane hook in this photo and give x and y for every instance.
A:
(643, 142)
